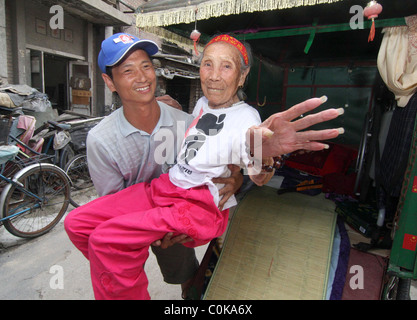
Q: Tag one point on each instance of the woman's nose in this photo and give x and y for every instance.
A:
(215, 74)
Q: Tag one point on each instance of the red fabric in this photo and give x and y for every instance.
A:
(339, 183)
(409, 242)
(337, 158)
(114, 232)
(234, 42)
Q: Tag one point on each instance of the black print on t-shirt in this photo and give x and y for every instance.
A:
(208, 125)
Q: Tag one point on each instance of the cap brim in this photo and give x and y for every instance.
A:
(149, 46)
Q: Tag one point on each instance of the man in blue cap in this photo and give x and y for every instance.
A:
(138, 141)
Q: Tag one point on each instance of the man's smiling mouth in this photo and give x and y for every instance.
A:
(142, 89)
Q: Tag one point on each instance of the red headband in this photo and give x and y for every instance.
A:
(234, 42)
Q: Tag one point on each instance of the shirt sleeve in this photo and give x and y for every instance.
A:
(104, 172)
(251, 165)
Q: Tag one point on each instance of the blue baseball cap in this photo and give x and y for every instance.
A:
(114, 48)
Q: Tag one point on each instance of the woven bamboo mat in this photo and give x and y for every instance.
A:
(276, 247)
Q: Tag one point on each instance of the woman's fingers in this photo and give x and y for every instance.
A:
(302, 108)
(316, 118)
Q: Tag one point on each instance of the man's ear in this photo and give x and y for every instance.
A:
(109, 82)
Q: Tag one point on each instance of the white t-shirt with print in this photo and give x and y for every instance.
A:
(216, 138)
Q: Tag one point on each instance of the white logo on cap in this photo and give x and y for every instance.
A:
(123, 38)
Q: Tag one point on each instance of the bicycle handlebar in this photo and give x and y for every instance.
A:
(58, 125)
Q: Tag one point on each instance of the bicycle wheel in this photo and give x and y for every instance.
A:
(65, 155)
(34, 214)
(77, 171)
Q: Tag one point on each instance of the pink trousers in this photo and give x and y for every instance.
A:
(115, 231)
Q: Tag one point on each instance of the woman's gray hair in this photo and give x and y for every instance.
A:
(248, 48)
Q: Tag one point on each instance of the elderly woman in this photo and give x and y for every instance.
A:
(185, 200)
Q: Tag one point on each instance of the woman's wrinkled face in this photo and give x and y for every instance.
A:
(220, 74)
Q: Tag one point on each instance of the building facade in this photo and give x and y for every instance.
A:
(52, 46)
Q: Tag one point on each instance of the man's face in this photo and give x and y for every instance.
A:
(134, 79)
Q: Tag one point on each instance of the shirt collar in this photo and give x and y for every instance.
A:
(165, 120)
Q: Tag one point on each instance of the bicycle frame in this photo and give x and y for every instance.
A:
(14, 182)
(37, 154)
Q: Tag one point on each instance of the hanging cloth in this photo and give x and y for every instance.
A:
(26, 123)
(397, 60)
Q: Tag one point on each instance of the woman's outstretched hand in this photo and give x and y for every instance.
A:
(281, 134)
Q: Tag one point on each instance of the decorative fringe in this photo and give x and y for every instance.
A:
(372, 31)
(195, 48)
(215, 8)
(185, 43)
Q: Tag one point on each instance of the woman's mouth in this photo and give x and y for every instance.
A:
(215, 89)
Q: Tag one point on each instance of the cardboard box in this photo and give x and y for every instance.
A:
(81, 97)
(81, 93)
(80, 100)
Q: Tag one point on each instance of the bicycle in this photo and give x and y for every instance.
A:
(35, 199)
(70, 155)
(52, 151)
(78, 133)
(76, 166)
(77, 170)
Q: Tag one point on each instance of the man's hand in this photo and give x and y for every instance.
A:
(169, 101)
(168, 240)
(282, 135)
(231, 184)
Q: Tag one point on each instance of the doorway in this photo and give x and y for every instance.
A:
(179, 89)
(49, 74)
(56, 81)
